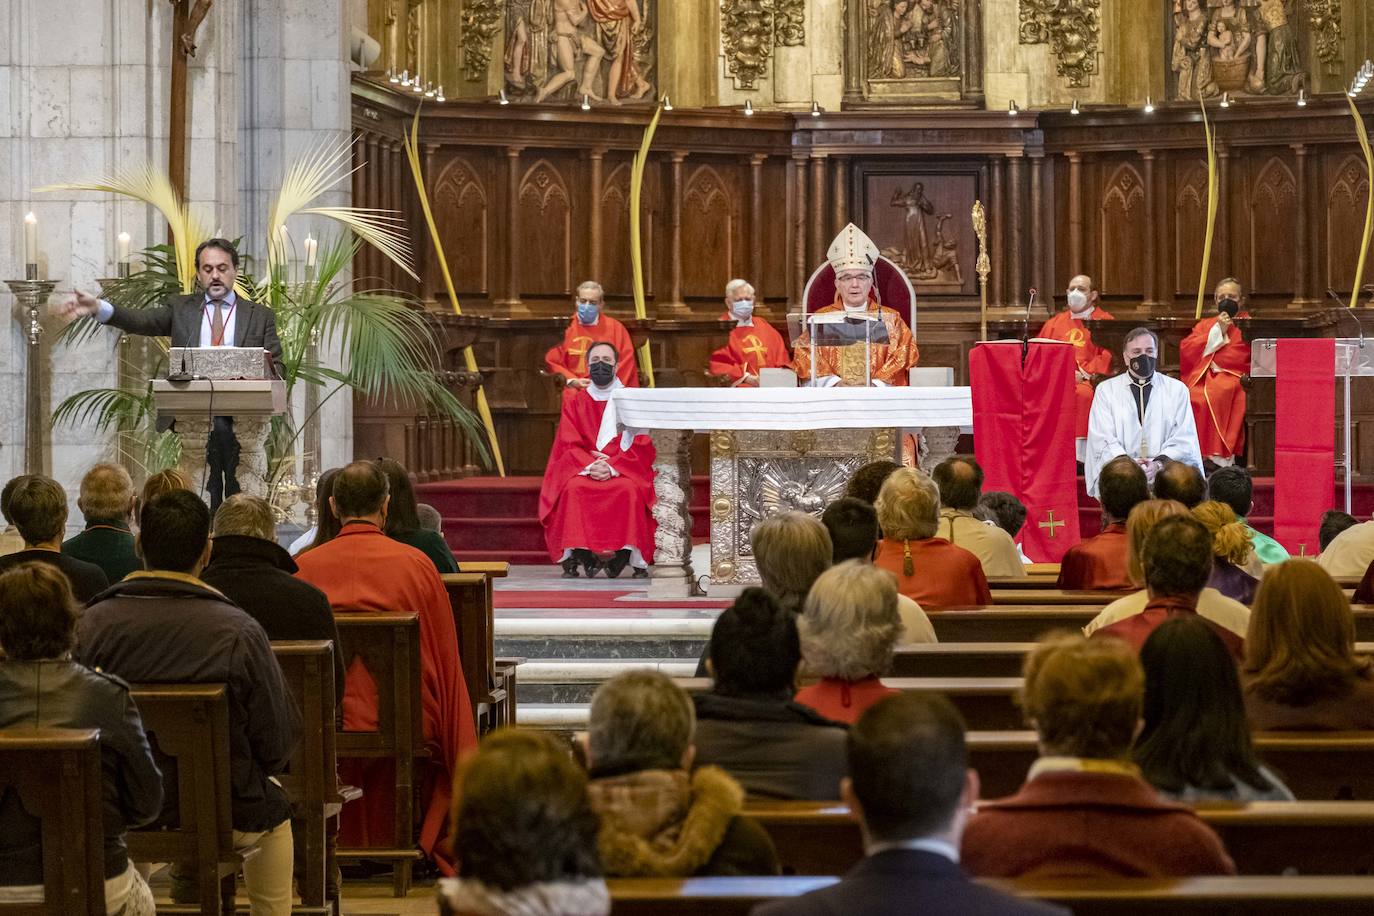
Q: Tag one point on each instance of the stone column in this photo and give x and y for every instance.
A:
(853, 54)
(839, 194)
(798, 226)
(194, 430)
(1038, 224)
(510, 303)
(1151, 248)
(816, 250)
(672, 575)
(1221, 251)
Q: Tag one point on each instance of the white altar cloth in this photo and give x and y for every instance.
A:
(784, 408)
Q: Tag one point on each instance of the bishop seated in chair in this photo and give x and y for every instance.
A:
(595, 502)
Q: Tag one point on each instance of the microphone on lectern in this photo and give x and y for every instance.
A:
(1353, 314)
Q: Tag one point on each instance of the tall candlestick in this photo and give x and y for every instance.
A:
(122, 248)
(311, 247)
(30, 240)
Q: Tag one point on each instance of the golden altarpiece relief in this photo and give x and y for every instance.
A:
(571, 50)
(921, 52)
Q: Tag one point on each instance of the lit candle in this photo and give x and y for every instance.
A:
(311, 247)
(30, 239)
(122, 248)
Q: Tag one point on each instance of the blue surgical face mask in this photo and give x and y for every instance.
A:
(587, 312)
(742, 309)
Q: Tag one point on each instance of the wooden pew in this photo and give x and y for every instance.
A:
(987, 704)
(1011, 624)
(1052, 596)
(188, 727)
(389, 645)
(1243, 896)
(56, 773)
(470, 597)
(504, 669)
(311, 780)
(1264, 838)
(1317, 766)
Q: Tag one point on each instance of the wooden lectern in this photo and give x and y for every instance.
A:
(220, 385)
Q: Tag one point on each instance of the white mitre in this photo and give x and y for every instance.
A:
(852, 250)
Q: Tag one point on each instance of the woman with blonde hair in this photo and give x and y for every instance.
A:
(849, 628)
(1301, 671)
(791, 549)
(1231, 552)
(930, 570)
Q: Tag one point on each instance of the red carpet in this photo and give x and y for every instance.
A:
(583, 598)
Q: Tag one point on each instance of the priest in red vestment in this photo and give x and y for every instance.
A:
(1101, 562)
(1212, 360)
(753, 343)
(1092, 360)
(892, 352)
(364, 570)
(595, 504)
(589, 325)
(930, 570)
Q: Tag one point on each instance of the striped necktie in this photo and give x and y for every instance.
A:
(217, 323)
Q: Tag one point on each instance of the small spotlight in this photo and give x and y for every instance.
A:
(667, 104)
(1302, 98)
(1226, 100)
(586, 102)
(429, 90)
(816, 109)
(417, 85)
(1073, 109)
(405, 77)
(1012, 110)
(501, 97)
(440, 96)
(391, 77)
(749, 107)
(1149, 105)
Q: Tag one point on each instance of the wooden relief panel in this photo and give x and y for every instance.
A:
(1244, 47)
(1273, 206)
(461, 213)
(710, 225)
(563, 50)
(1190, 225)
(1123, 232)
(546, 227)
(911, 50)
(1347, 195)
(921, 222)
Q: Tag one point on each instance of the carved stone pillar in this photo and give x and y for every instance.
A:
(1016, 180)
(997, 222)
(816, 233)
(510, 303)
(595, 161)
(672, 575)
(756, 227)
(973, 53)
(1075, 212)
(1302, 283)
(674, 305)
(194, 430)
(839, 194)
(853, 54)
(252, 470)
(798, 227)
(1038, 228)
(1151, 249)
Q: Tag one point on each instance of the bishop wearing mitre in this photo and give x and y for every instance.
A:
(891, 349)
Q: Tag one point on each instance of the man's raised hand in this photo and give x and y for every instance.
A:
(78, 305)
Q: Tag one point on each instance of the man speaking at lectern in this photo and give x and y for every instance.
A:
(213, 317)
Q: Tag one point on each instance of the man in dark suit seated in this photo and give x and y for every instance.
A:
(911, 789)
(215, 316)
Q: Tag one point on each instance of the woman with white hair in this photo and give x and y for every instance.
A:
(849, 627)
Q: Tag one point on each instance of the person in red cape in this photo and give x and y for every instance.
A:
(1101, 561)
(595, 504)
(1213, 359)
(753, 343)
(1092, 360)
(589, 325)
(362, 569)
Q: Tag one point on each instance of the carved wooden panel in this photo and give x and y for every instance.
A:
(459, 201)
(1346, 197)
(920, 219)
(554, 56)
(615, 230)
(710, 230)
(1273, 203)
(1123, 231)
(546, 208)
(1190, 223)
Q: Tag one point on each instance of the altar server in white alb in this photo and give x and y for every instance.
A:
(1141, 413)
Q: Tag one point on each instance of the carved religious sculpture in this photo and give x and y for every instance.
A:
(913, 50)
(604, 50)
(1254, 47)
(928, 254)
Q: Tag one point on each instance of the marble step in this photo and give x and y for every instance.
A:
(565, 681)
(605, 639)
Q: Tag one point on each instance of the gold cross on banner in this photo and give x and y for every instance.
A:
(1052, 523)
(756, 348)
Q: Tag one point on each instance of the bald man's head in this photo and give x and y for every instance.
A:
(1181, 482)
(960, 482)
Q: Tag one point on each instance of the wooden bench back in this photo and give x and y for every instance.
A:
(1009, 624)
(470, 598)
(56, 773)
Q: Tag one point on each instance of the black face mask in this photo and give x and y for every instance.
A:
(1143, 366)
(1230, 306)
(601, 373)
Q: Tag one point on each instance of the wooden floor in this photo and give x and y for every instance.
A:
(374, 899)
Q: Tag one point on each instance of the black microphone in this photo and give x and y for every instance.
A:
(1359, 324)
(1025, 325)
(184, 375)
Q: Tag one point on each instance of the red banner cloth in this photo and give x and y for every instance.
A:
(1023, 430)
(1304, 440)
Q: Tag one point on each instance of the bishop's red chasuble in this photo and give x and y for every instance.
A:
(749, 349)
(363, 570)
(1091, 358)
(1213, 381)
(888, 362)
(569, 359)
(599, 515)
(1023, 432)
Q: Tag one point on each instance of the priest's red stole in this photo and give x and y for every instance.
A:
(1304, 440)
(1023, 431)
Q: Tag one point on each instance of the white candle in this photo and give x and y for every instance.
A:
(122, 247)
(30, 239)
(310, 249)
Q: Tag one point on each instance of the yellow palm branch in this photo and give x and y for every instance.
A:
(1212, 200)
(1362, 134)
(636, 255)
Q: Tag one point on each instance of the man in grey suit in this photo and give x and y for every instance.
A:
(213, 317)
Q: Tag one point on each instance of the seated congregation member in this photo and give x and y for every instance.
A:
(911, 789)
(524, 833)
(929, 569)
(848, 628)
(854, 533)
(429, 517)
(38, 506)
(11, 541)
(1180, 481)
(659, 817)
(326, 522)
(41, 687)
(960, 482)
(1211, 604)
(1231, 552)
(251, 569)
(1084, 811)
(1232, 485)
(1177, 564)
(753, 343)
(596, 502)
(403, 519)
(107, 502)
(1349, 553)
(748, 724)
(1195, 744)
(1333, 522)
(590, 325)
(163, 625)
(364, 570)
(163, 481)
(1006, 512)
(1301, 671)
(1100, 562)
(865, 482)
